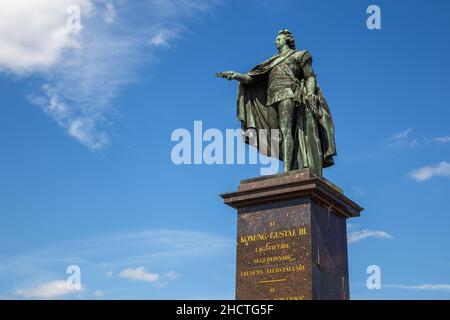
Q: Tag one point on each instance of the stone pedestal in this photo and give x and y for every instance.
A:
(291, 237)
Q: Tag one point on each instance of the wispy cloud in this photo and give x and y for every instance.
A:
(139, 274)
(403, 139)
(83, 70)
(427, 172)
(441, 140)
(357, 236)
(99, 293)
(110, 256)
(171, 275)
(406, 139)
(110, 12)
(162, 38)
(134, 248)
(423, 287)
(48, 290)
(400, 135)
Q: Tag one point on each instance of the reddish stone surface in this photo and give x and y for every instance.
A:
(291, 237)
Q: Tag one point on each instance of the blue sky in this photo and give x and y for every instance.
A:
(86, 118)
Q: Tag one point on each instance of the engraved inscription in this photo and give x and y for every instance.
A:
(274, 260)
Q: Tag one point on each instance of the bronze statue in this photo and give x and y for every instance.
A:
(282, 93)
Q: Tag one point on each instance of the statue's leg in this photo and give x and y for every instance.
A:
(273, 134)
(272, 116)
(315, 157)
(302, 157)
(286, 119)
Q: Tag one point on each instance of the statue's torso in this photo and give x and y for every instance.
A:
(280, 83)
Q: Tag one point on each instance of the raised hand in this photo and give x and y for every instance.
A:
(229, 75)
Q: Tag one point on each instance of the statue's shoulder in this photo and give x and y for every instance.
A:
(303, 56)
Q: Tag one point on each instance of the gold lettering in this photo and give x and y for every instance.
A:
(267, 260)
(283, 234)
(272, 247)
(291, 298)
(250, 273)
(288, 233)
(296, 268)
(253, 237)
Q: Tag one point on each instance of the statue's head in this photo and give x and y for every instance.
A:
(285, 37)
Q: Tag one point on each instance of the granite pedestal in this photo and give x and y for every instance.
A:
(291, 237)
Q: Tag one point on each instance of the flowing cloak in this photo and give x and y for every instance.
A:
(253, 115)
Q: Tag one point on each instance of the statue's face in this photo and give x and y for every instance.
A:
(280, 41)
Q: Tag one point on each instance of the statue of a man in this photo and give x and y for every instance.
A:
(282, 93)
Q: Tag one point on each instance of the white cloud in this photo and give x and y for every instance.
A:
(400, 135)
(442, 140)
(413, 143)
(84, 69)
(425, 287)
(139, 274)
(48, 290)
(403, 139)
(170, 275)
(162, 38)
(357, 236)
(425, 173)
(110, 13)
(143, 247)
(101, 254)
(34, 34)
(99, 293)
(81, 122)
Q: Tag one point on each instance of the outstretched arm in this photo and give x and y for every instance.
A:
(231, 75)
